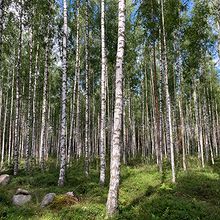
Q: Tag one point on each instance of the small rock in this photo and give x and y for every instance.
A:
(72, 194)
(22, 192)
(48, 199)
(4, 179)
(20, 200)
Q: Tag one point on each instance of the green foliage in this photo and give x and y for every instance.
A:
(196, 194)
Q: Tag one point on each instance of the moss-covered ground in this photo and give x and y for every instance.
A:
(144, 194)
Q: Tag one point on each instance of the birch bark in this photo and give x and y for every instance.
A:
(103, 99)
(63, 101)
(112, 202)
(17, 98)
(168, 103)
(44, 106)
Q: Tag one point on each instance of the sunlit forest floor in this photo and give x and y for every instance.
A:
(144, 194)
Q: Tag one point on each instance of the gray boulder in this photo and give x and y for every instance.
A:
(48, 199)
(4, 179)
(21, 199)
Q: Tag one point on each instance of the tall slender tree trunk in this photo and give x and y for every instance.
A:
(212, 121)
(36, 75)
(157, 113)
(208, 125)
(17, 99)
(198, 126)
(103, 99)
(87, 133)
(182, 134)
(131, 143)
(112, 202)
(208, 143)
(161, 78)
(29, 121)
(201, 135)
(178, 70)
(217, 124)
(154, 122)
(63, 101)
(133, 132)
(76, 78)
(124, 129)
(147, 115)
(4, 130)
(168, 103)
(142, 128)
(78, 119)
(11, 122)
(44, 106)
(187, 130)
(1, 33)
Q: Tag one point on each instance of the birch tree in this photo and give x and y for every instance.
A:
(103, 99)
(167, 95)
(28, 138)
(44, 105)
(17, 99)
(63, 101)
(112, 201)
(1, 76)
(34, 114)
(72, 136)
(87, 133)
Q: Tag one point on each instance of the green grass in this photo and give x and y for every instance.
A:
(196, 195)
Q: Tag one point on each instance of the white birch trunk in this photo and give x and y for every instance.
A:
(63, 101)
(76, 78)
(17, 99)
(44, 107)
(4, 132)
(29, 121)
(11, 124)
(1, 33)
(103, 99)
(168, 103)
(112, 202)
(36, 75)
(87, 134)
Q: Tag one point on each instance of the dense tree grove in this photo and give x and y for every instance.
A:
(109, 81)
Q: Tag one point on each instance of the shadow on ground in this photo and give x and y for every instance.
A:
(196, 195)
